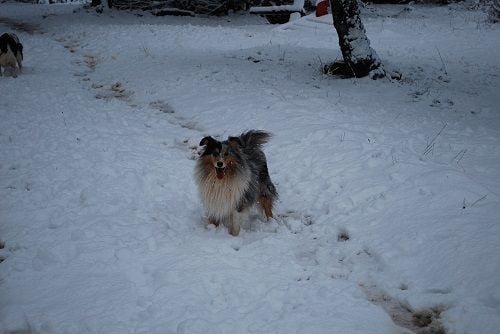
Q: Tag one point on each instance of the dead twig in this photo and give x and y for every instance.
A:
(430, 145)
(442, 62)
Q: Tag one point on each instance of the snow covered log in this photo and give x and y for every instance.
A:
(279, 14)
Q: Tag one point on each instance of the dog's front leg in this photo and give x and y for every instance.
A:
(238, 218)
(213, 221)
(234, 224)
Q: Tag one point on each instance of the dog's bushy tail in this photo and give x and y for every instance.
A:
(254, 138)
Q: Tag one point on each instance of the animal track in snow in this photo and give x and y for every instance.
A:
(29, 28)
(423, 321)
(294, 221)
(162, 106)
(117, 90)
(343, 235)
(69, 43)
(110, 91)
(184, 123)
(90, 61)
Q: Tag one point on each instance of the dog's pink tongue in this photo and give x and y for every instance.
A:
(220, 173)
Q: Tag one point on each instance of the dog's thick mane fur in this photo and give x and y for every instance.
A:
(228, 193)
(220, 197)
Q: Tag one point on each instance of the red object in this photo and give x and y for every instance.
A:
(322, 7)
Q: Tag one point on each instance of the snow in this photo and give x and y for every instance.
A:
(385, 187)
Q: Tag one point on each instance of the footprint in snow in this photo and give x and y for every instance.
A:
(185, 124)
(110, 91)
(162, 106)
(294, 221)
(421, 321)
(343, 235)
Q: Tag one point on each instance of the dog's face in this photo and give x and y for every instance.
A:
(222, 157)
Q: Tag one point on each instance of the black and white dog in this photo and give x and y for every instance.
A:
(232, 177)
(11, 53)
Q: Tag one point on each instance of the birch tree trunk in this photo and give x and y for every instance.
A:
(359, 58)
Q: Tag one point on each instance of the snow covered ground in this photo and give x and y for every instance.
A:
(389, 191)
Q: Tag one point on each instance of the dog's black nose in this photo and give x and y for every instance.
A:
(220, 164)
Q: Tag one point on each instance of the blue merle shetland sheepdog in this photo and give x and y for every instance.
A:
(232, 177)
(11, 52)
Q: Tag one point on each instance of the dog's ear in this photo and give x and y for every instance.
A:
(207, 141)
(235, 141)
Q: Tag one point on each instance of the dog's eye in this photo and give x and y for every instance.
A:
(215, 154)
